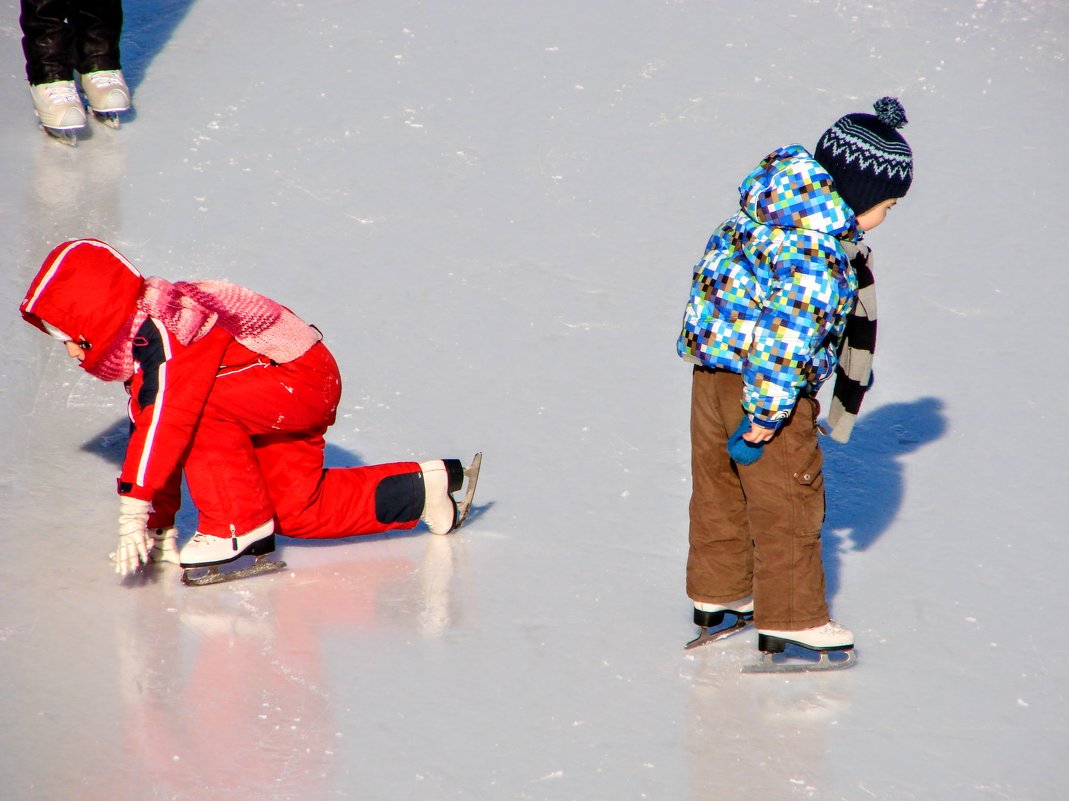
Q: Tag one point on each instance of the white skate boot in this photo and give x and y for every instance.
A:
(107, 93)
(710, 616)
(60, 109)
(164, 545)
(742, 606)
(206, 551)
(441, 478)
(831, 638)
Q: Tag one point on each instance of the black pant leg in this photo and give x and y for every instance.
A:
(47, 40)
(97, 28)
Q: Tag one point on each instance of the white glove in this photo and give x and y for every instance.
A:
(134, 539)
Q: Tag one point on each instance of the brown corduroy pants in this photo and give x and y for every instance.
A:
(756, 528)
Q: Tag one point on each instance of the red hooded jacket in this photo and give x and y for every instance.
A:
(89, 291)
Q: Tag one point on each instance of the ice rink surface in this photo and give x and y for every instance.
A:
(492, 210)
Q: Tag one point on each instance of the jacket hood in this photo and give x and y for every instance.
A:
(88, 290)
(789, 189)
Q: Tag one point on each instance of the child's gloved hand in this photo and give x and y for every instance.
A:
(740, 450)
(132, 551)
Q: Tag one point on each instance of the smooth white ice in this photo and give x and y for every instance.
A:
(491, 210)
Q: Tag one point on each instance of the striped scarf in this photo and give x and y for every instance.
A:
(853, 374)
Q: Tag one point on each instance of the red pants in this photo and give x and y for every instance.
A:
(257, 455)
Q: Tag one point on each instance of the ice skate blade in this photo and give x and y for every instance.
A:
(202, 576)
(769, 665)
(108, 118)
(706, 636)
(66, 136)
(471, 472)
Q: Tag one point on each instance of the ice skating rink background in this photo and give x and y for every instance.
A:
(492, 210)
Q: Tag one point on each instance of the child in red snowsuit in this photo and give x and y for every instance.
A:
(236, 391)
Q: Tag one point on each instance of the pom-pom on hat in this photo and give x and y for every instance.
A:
(867, 157)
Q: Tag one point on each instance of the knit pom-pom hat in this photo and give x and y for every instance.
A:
(867, 157)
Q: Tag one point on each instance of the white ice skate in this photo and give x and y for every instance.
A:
(59, 108)
(711, 616)
(108, 94)
(441, 478)
(204, 555)
(831, 638)
(164, 545)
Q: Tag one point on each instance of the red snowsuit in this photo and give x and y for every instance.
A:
(248, 431)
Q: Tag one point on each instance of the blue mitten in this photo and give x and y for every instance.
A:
(740, 450)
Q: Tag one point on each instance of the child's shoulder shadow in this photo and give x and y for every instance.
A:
(864, 479)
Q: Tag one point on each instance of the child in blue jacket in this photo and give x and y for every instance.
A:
(764, 327)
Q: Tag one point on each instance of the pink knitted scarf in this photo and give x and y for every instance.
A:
(190, 309)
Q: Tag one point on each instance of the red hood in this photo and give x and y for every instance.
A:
(87, 290)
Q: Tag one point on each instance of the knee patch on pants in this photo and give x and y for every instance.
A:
(400, 498)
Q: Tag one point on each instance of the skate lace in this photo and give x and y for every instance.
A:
(61, 94)
(104, 79)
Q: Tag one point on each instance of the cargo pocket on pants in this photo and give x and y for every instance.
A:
(813, 473)
(811, 479)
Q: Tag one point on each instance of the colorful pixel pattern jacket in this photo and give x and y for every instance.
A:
(771, 295)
